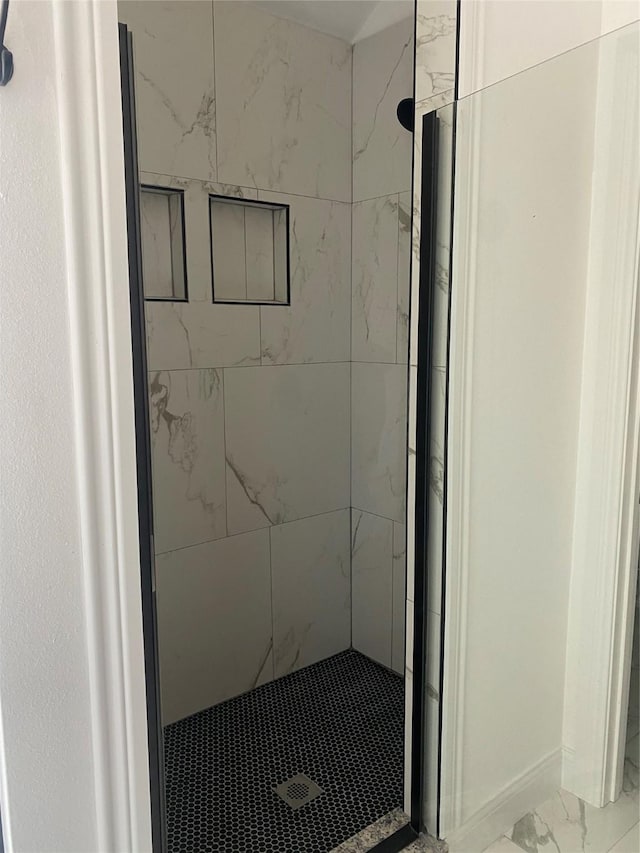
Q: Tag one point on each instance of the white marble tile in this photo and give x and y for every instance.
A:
(573, 825)
(378, 452)
(311, 590)
(283, 104)
(629, 843)
(201, 591)
(228, 251)
(411, 479)
(371, 584)
(197, 233)
(432, 725)
(287, 432)
(187, 447)
(435, 47)
(435, 102)
(374, 279)
(161, 231)
(398, 597)
(434, 647)
(502, 845)
(259, 252)
(175, 102)
(200, 334)
(315, 327)
(382, 76)
(408, 703)
(404, 277)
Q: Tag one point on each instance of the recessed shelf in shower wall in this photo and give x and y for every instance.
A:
(164, 271)
(249, 251)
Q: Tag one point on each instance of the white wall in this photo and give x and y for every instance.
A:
(47, 760)
(499, 39)
(523, 193)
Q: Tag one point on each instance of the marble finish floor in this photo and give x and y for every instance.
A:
(566, 824)
(339, 721)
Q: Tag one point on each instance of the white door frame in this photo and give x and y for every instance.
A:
(92, 158)
(606, 522)
(86, 44)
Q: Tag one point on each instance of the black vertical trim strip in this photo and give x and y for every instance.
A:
(419, 745)
(143, 456)
(456, 70)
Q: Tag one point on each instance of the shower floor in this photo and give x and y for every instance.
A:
(340, 722)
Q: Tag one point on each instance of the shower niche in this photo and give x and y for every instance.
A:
(249, 251)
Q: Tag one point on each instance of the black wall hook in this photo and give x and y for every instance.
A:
(6, 57)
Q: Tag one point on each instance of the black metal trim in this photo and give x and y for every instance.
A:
(160, 190)
(423, 439)
(400, 839)
(251, 202)
(6, 57)
(456, 69)
(143, 452)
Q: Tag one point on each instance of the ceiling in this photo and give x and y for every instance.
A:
(350, 20)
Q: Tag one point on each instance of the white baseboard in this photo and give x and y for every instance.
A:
(523, 795)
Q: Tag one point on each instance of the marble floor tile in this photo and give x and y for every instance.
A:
(201, 590)
(287, 443)
(315, 327)
(572, 825)
(311, 590)
(187, 453)
(629, 843)
(502, 845)
(294, 81)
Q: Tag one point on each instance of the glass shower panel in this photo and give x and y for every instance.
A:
(535, 197)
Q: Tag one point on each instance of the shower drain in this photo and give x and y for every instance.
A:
(298, 791)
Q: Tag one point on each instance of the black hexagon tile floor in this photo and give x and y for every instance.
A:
(338, 722)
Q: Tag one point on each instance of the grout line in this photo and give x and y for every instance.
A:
(253, 530)
(224, 440)
(351, 354)
(215, 85)
(377, 515)
(249, 366)
(253, 188)
(395, 336)
(273, 627)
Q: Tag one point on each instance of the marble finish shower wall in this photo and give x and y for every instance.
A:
(250, 405)
(436, 23)
(381, 222)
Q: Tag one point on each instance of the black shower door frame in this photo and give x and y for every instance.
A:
(407, 834)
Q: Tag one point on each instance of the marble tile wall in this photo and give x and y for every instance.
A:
(381, 238)
(250, 405)
(434, 90)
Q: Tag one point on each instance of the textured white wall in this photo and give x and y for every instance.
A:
(47, 789)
